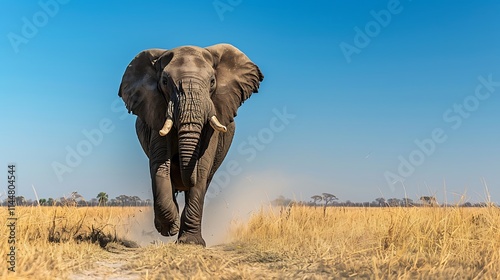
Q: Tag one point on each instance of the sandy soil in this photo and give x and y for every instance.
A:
(171, 261)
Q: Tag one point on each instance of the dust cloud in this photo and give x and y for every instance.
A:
(234, 204)
(139, 227)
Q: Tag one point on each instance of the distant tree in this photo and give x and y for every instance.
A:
(82, 202)
(135, 199)
(316, 199)
(123, 199)
(42, 201)
(103, 198)
(429, 201)
(328, 198)
(20, 200)
(94, 202)
(51, 202)
(71, 200)
(148, 202)
(393, 202)
(63, 201)
(407, 202)
(381, 201)
(78, 199)
(75, 195)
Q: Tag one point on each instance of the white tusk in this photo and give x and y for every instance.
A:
(214, 122)
(166, 127)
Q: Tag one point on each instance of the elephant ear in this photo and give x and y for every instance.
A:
(139, 88)
(237, 78)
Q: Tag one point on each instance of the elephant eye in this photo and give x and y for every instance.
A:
(165, 78)
(212, 82)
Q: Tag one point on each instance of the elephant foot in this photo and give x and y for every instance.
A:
(166, 228)
(167, 221)
(194, 239)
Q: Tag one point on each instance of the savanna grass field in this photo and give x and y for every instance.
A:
(295, 242)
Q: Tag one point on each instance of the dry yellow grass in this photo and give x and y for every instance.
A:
(51, 241)
(381, 243)
(297, 242)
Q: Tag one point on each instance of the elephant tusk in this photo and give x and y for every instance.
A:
(166, 127)
(214, 122)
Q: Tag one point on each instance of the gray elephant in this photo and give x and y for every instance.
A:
(175, 94)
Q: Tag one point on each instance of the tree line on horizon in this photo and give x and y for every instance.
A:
(330, 200)
(323, 200)
(76, 199)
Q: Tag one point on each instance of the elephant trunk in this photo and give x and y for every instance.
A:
(191, 111)
(190, 114)
(189, 139)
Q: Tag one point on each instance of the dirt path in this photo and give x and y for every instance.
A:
(171, 261)
(114, 265)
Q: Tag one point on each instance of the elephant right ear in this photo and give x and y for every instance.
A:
(139, 88)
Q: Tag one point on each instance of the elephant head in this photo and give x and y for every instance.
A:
(186, 88)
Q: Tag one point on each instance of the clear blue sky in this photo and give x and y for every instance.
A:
(360, 101)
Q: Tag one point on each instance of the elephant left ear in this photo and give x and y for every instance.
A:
(237, 78)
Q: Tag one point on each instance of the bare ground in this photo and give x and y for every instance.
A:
(228, 261)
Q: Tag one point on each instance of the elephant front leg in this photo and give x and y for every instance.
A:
(190, 232)
(165, 206)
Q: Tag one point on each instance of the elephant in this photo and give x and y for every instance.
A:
(175, 94)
